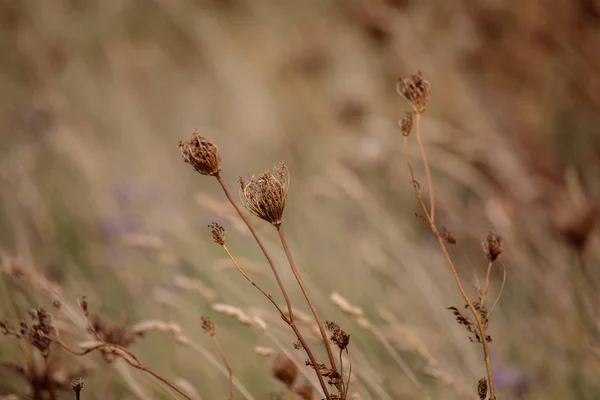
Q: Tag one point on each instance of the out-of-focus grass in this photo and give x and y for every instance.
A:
(95, 97)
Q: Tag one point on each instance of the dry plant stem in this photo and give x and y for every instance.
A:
(241, 271)
(440, 240)
(487, 282)
(501, 287)
(107, 379)
(308, 299)
(426, 166)
(229, 371)
(289, 320)
(134, 361)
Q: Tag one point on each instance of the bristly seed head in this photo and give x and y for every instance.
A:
(217, 233)
(482, 388)
(340, 338)
(202, 154)
(265, 195)
(208, 325)
(492, 246)
(415, 90)
(407, 123)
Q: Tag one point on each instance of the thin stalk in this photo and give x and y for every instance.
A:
(426, 166)
(307, 297)
(289, 320)
(229, 371)
(487, 282)
(501, 287)
(107, 379)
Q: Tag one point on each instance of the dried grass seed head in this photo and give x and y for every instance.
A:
(415, 90)
(340, 338)
(202, 154)
(265, 195)
(208, 325)
(492, 246)
(284, 370)
(217, 233)
(482, 388)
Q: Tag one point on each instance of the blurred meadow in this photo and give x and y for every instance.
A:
(96, 200)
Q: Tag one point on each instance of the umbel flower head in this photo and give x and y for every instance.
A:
(415, 90)
(202, 154)
(265, 195)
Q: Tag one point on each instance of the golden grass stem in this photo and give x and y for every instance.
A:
(290, 321)
(307, 297)
(426, 166)
(229, 370)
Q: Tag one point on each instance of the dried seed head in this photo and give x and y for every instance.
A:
(83, 304)
(284, 369)
(112, 334)
(57, 304)
(340, 338)
(304, 391)
(415, 90)
(217, 233)
(448, 236)
(40, 331)
(407, 123)
(492, 246)
(77, 384)
(482, 388)
(265, 195)
(208, 325)
(202, 154)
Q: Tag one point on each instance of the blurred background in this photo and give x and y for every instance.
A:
(95, 199)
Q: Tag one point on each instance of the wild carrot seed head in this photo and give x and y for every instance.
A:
(202, 154)
(265, 195)
(415, 90)
(217, 233)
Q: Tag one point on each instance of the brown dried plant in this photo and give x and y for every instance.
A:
(265, 197)
(416, 91)
(208, 326)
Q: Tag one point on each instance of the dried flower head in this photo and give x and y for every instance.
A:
(83, 304)
(492, 246)
(407, 123)
(38, 334)
(340, 338)
(265, 195)
(77, 384)
(217, 233)
(208, 325)
(448, 236)
(284, 369)
(482, 388)
(112, 334)
(202, 154)
(416, 90)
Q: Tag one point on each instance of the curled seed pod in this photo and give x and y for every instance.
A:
(202, 154)
(415, 90)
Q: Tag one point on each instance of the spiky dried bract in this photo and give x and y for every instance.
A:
(202, 154)
(265, 195)
(284, 370)
(407, 123)
(217, 233)
(208, 325)
(77, 384)
(492, 246)
(340, 338)
(482, 388)
(415, 90)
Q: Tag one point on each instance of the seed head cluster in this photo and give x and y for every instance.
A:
(265, 195)
(492, 246)
(340, 338)
(202, 154)
(407, 123)
(217, 233)
(415, 90)
(208, 325)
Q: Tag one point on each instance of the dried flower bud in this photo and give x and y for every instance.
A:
(77, 385)
(265, 195)
(482, 388)
(407, 123)
(416, 90)
(202, 154)
(492, 246)
(340, 338)
(284, 369)
(217, 233)
(448, 236)
(208, 325)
